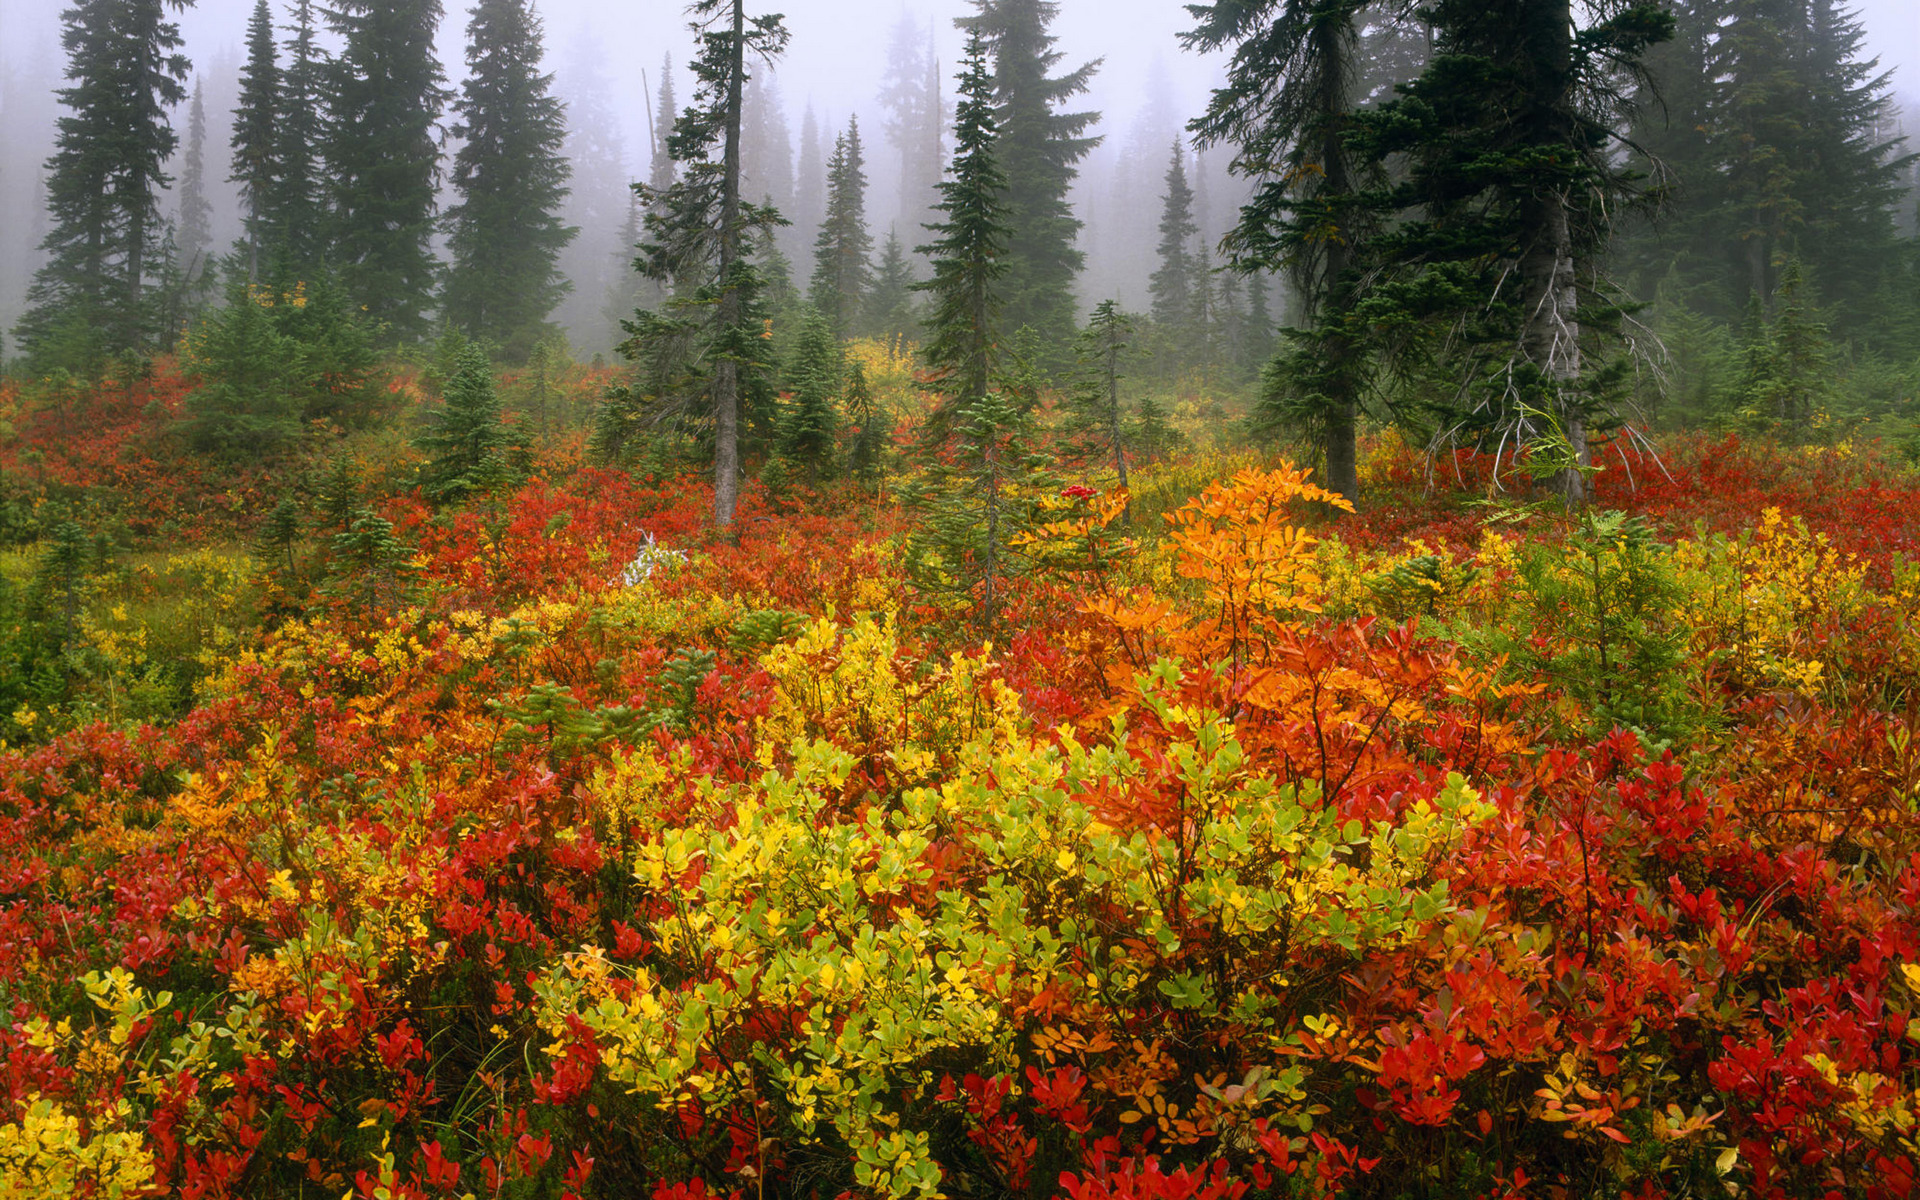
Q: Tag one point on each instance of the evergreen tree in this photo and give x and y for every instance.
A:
(249, 407)
(1098, 423)
(842, 255)
(296, 220)
(916, 121)
(506, 234)
(470, 448)
(385, 93)
(1771, 145)
(810, 178)
(256, 159)
(1288, 106)
(766, 145)
(706, 357)
(969, 255)
(1172, 284)
(103, 183)
(889, 310)
(193, 235)
(1038, 150)
(873, 431)
(982, 479)
(1515, 161)
(810, 424)
(598, 262)
(662, 171)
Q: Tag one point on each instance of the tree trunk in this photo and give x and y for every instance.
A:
(726, 372)
(1550, 336)
(1334, 49)
(1113, 421)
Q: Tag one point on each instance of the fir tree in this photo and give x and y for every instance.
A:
(193, 235)
(978, 492)
(810, 177)
(470, 448)
(889, 310)
(103, 183)
(810, 424)
(1098, 423)
(1172, 284)
(842, 255)
(385, 94)
(1291, 95)
(255, 146)
(873, 431)
(249, 407)
(506, 234)
(1038, 150)
(296, 220)
(706, 357)
(968, 256)
(916, 120)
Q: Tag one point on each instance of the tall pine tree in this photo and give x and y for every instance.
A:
(385, 93)
(103, 184)
(1172, 283)
(295, 226)
(506, 233)
(193, 235)
(843, 253)
(969, 251)
(256, 159)
(1039, 149)
(706, 357)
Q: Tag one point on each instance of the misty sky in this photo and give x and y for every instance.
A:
(839, 45)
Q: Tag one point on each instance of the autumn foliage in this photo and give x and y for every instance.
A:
(1264, 850)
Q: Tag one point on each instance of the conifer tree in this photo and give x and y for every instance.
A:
(1038, 150)
(809, 178)
(766, 145)
(810, 424)
(1172, 284)
(385, 93)
(873, 431)
(705, 358)
(1098, 422)
(842, 255)
(982, 478)
(969, 253)
(256, 120)
(103, 182)
(1292, 91)
(297, 218)
(916, 120)
(470, 448)
(888, 313)
(193, 236)
(506, 233)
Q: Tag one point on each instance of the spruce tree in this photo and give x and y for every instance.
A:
(385, 93)
(982, 479)
(103, 183)
(969, 253)
(1098, 421)
(873, 431)
(916, 119)
(255, 146)
(888, 313)
(705, 358)
(296, 221)
(193, 235)
(506, 234)
(810, 424)
(469, 448)
(842, 255)
(810, 178)
(1289, 104)
(1172, 284)
(1038, 150)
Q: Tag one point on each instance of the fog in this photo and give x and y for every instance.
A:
(1146, 88)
